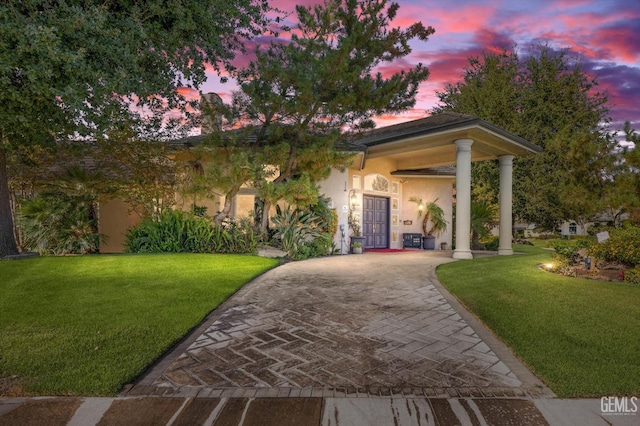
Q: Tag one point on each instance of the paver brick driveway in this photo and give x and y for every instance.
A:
(374, 324)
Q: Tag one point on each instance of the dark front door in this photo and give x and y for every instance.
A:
(375, 223)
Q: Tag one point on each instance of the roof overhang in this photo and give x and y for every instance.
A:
(430, 143)
(447, 172)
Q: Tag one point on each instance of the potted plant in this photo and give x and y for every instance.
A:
(432, 213)
(356, 236)
(356, 247)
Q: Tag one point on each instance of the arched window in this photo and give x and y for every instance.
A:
(573, 228)
(376, 182)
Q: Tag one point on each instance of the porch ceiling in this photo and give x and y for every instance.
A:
(429, 142)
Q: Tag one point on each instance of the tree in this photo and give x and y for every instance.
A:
(70, 67)
(227, 152)
(628, 180)
(303, 94)
(139, 171)
(549, 100)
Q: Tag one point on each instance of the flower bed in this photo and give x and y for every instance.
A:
(615, 259)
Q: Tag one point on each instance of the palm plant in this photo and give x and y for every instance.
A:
(432, 213)
(85, 187)
(63, 217)
(483, 218)
(57, 223)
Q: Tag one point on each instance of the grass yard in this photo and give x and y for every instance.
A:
(541, 243)
(580, 336)
(86, 325)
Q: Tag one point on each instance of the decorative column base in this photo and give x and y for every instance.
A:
(462, 255)
(505, 252)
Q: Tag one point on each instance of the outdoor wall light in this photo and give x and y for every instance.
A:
(353, 198)
(420, 206)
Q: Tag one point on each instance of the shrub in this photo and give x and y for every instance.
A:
(598, 227)
(327, 217)
(239, 236)
(492, 243)
(59, 224)
(172, 232)
(567, 250)
(623, 246)
(296, 230)
(180, 232)
(632, 275)
(199, 210)
(318, 247)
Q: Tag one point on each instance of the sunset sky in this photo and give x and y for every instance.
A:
(604, 34)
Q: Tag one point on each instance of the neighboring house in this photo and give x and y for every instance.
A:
(566, 228)
(391, 165)
(571, 227)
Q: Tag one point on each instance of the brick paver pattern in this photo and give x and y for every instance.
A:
(330, 327)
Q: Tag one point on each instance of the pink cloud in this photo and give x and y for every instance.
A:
(462, 19)
(493, 41)
(189, 93)
(593, 31)
(622, 41)
(621, 83)
(388, 120)
(469, 19)
(447, 66)
(289, 6)
(583, 20)
(410, 14)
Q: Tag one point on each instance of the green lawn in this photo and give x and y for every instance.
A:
(86, 325)
(542, 243)
(581, 337)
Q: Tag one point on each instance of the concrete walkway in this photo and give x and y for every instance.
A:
(372, 339)
(377, 324)
(174, 411)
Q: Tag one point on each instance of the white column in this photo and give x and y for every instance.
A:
(463, 199)
(506, 204)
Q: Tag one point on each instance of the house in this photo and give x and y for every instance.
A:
(567, 228)
(572, 227)
(391, 165)
(413, 157)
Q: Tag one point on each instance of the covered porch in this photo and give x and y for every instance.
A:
(440, 147)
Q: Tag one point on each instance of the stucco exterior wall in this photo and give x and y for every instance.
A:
(402, 213)
(243, 205)
(427, 189)
(336, 187)
(115, 220)
(213, 204)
